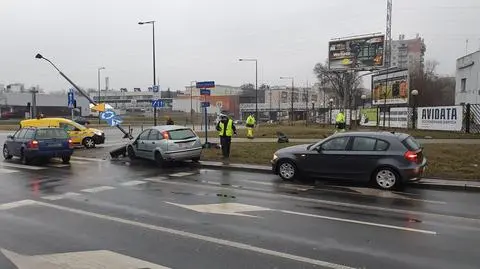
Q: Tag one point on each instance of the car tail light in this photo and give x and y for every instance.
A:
(70, 143)
(411, 156)
(165, 135)
(33, 144)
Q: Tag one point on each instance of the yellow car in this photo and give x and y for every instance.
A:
(80, 135)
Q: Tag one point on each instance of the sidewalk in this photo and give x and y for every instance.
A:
(426, 183)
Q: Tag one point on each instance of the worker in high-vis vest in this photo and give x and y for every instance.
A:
(226, 129)
(250, 124)
(340, 121)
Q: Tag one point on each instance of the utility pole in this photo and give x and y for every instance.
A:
(388, 54)
(34, 92)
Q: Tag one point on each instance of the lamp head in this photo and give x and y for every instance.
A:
(39, 56)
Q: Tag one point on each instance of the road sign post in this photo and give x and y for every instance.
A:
(205, 91)
(205, 105)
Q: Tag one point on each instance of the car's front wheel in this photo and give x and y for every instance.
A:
(6, 153)
(287, 170)
(386, 178)
(88, 142)
(131, 153)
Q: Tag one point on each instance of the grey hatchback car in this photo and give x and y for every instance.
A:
(385, 158)
(166, 143)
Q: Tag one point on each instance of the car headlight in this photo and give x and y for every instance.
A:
(275, 157)
(98, 133)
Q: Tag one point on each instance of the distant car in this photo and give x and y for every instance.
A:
(166, 143)
(31, 143)
(386, 159)
(82, 121)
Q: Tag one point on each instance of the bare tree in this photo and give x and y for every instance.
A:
(344, 84)
(433, 90)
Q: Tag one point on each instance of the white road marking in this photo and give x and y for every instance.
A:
(97, 259)
(87, 159)
(133, 183)
(181, 174)
(98, 189)
(57, 165)
(60, 196)
(155, 179)
(7, 171)
(205, 238)
(234, 209)
(319, 201)
(28, 167)
(387, 194)
(16, 204)
(359, 222)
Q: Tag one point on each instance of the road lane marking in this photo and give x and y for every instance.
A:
(359, 222)
(60, 196)
(384, 194)
(234, 209)
(7, 171)
(98, 189)
(132, 183)
(57, 165)
(87, 159)
(182, 174)
(16, 204)
(28, 167)
(205, 238)
(319, 201)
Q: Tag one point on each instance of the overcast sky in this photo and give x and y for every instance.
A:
(203, 39)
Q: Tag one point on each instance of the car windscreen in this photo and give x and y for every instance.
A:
(51, 133)
(411, 144)
(181, 134)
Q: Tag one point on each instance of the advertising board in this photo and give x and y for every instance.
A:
(390, 89)
(443, 118)
(368, 117)
(360, 53)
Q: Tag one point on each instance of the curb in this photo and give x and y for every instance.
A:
(418, 185)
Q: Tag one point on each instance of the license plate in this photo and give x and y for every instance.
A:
(56, 145)
(184, 145)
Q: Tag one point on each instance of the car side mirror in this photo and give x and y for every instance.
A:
(10, 137)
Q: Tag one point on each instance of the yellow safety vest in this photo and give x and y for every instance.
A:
(340, 118)
(251, 120)
(229, 131)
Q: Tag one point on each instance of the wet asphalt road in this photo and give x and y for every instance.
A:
(186, 217)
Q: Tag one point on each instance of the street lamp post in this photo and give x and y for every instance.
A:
(256, 83)
(191, 103)
(314, 117)
(330, 103)
(363, 97)
(154, 70)
(293, 87)
(99, 89)
(414, 112)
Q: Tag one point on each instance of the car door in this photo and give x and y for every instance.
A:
(140, 145)
(10, 142)
(327, 160)
(18, 140)
(152, 143)
(363, 156)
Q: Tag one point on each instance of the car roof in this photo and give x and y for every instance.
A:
(375, 134)
(162, 128)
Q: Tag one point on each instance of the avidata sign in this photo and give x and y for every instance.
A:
(361, 53)
(444, 118)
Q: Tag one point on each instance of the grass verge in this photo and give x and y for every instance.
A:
(445, 161)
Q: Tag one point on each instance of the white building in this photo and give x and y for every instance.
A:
(219, 90)
(467, 79)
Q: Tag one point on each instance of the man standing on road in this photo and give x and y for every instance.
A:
(170, 121)
(226, 129)
(250, 124)
(340, 121)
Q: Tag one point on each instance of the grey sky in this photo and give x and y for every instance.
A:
(203, 39)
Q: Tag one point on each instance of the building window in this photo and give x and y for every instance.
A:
(463, 85)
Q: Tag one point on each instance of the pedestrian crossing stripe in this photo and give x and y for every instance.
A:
(7, 171)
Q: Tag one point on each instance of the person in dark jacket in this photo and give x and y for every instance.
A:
(170, 121)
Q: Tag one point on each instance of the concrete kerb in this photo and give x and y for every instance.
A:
(432, 184)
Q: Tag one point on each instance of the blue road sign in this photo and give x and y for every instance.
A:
(205, 92)
(111, 118)
(155, 88)
(205, 84)
(158, 103)
(205, 104)
(70, 98)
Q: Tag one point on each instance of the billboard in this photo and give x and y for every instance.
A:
(391, 89)
(356, 53)
(444, 118)
(368, 116)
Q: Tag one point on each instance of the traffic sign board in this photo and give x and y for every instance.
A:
(158, 103)
(111, 118)
(205, 104)
(70, 98)
(205, 92)
(155, 88)
(205, 84)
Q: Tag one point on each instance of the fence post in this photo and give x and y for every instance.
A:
(467, 118)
